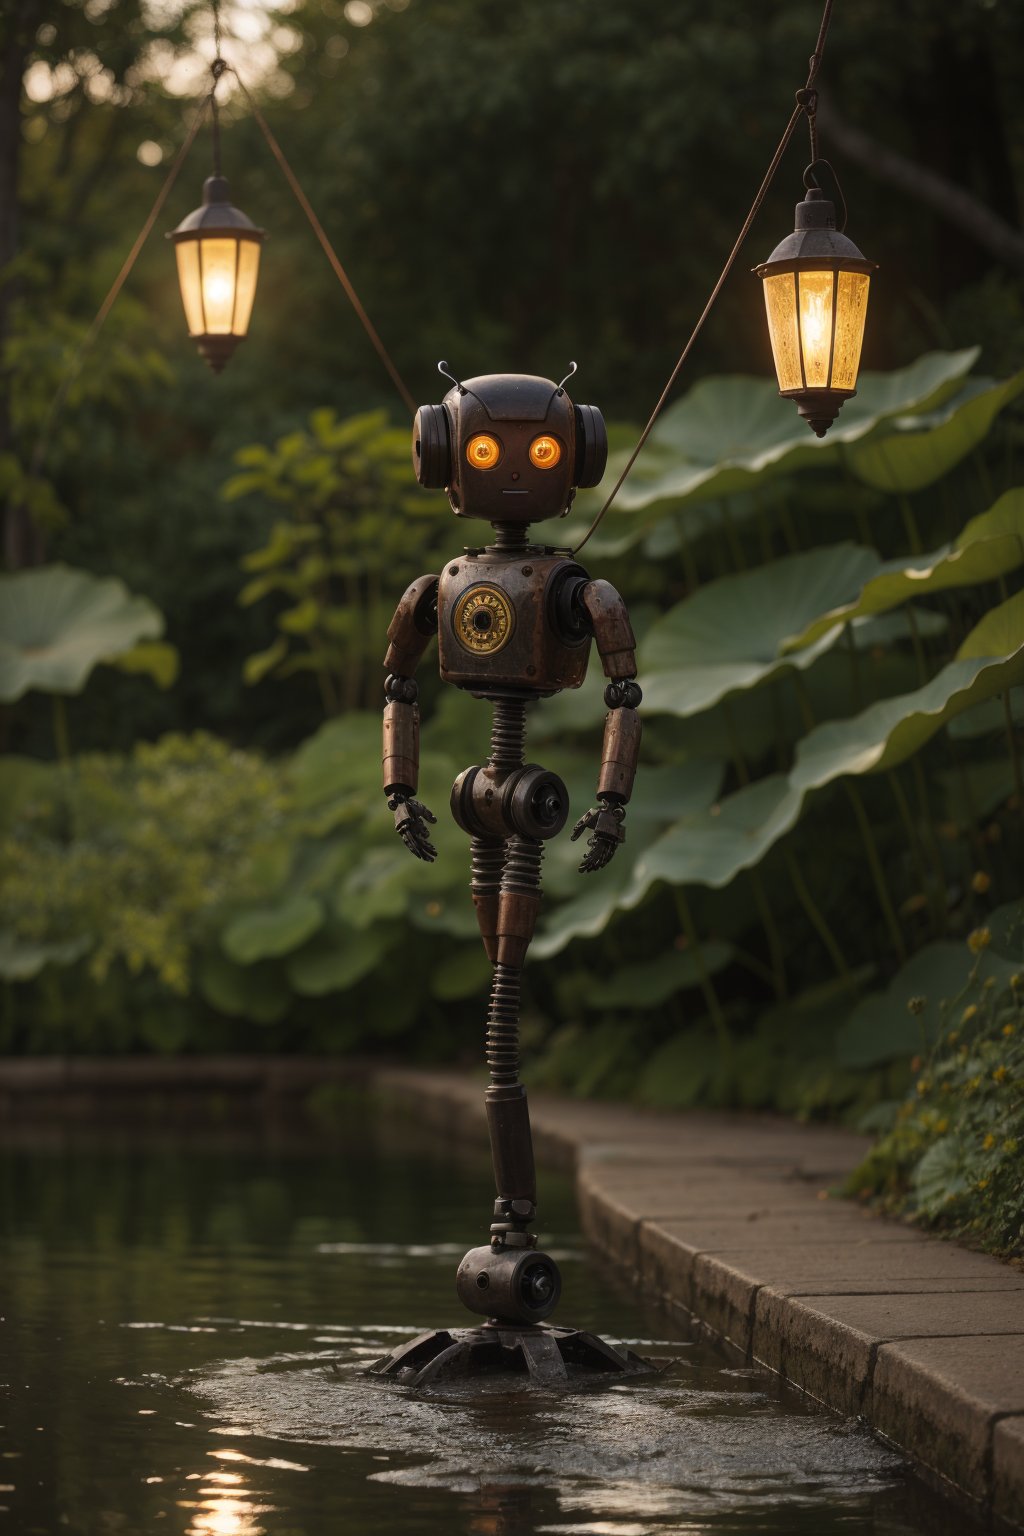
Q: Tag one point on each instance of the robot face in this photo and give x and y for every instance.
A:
(508, 447)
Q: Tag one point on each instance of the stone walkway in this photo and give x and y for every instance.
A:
(729, 1217)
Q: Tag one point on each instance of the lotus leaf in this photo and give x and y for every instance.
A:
(731, 432)
(57, 624)
(891, 730)
(712, 849)
(730, 634)
(651, 982)
(462, 974)
(590, 912)
(258, 993)
(915, 451)
(976, 789)
(265, 932)
(987, 718)
(23, 959)
(881, 1027)
(336, 960)
(991, 545)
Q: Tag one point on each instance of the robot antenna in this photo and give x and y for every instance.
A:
(561, 387)
(442, 369)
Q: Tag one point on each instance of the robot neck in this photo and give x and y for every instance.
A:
(509, 537)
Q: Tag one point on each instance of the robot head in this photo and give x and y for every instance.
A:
(509, 447)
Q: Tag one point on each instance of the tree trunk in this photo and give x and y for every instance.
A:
(21, 544)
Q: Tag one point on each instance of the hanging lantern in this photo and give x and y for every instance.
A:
(218, 251)
(816, 294)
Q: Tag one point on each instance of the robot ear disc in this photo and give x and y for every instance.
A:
(431, 447)
(591, 447)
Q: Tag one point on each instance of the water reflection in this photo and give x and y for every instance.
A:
(224, 1506)
(188, 1321)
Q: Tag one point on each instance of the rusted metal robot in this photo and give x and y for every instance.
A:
(514, 623)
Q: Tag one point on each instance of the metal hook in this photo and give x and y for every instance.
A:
(811, 181)
(442, 369)
(561, 387)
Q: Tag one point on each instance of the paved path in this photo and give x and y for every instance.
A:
(729, 1218)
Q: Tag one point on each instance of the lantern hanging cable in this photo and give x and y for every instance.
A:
(806, 105)
(74, 366)
(328, 249)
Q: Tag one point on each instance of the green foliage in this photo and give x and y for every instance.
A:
(131, 859)
(953, 1156)
(341, 492)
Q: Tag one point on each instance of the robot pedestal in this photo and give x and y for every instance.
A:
(551, 1356)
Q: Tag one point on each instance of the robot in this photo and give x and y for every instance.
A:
(514, 623)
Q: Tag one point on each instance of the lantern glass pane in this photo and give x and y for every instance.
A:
(780, 302)
(248, 271)
(218, 258)
(816, 326)
(187, 252)
(851, 311)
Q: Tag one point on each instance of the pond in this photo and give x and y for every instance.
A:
(186, 1314)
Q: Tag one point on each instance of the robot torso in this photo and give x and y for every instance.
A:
(508, 624)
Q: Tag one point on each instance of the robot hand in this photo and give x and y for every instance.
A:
(411, 818)
(604, 822)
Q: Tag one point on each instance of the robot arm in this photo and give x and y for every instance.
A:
(409, 634)
(617, 649)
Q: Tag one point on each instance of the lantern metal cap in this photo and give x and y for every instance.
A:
(815, 240)
(217, 215)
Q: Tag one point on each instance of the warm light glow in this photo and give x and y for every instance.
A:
(483, 451)
(816, 326)
(218, 259)
(851, 312)
(780, 302)
(545, 452)
(218, 284)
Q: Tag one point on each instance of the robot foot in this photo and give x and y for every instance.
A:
(551, 1357)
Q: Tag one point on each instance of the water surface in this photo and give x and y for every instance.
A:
(185, 1317)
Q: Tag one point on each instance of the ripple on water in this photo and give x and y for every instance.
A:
(684, 1445)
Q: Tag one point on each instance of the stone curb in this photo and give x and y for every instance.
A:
(728, 1217)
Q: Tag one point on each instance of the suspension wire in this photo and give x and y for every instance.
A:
(74, 367)
(806, 105)
(328, 249)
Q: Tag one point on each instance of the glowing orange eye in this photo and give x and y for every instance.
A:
(545, 452)
(483, 451)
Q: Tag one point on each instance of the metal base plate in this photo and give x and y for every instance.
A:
(552, 1357)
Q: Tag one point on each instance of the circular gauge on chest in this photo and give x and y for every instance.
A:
(484, 620)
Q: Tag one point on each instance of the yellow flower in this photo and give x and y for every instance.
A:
(1001, 1074)
(941, 1126)
(953, 1036)
(980, 882)
(968, 1013)
(922, 1086)
(979, 939)
(982, 1184)
(989, 1142)
(988, 983)
(1008, 1030)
